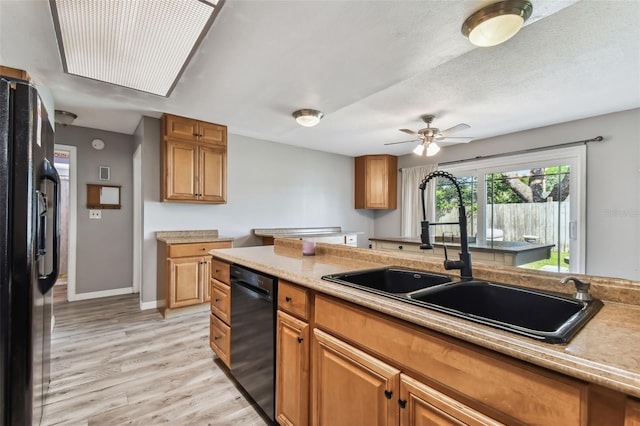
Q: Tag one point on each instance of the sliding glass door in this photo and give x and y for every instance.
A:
(520, 203)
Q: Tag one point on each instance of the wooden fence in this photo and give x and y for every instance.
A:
(547, 222)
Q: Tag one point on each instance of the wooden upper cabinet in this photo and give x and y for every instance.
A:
(376, 180)
(194, 161)
(176, 127)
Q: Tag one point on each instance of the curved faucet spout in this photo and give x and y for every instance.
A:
(464, 264)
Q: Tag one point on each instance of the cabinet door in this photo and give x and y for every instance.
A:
(377, 183)
(181, 163)
(292, 371)
(221, 300)
(376, 178)
(632, 416)
(423, 405)
(212, 174)
(220, 339)
(350, 387)
(181, 128)
(212, 133)
(185, 281)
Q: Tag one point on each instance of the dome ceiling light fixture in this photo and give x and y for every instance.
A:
(307, 117)
(64, 117)
(427, 148)
(497, 22)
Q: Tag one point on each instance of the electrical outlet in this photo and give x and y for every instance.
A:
(95, 214)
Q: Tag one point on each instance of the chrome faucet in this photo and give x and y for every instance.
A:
(464, 264)
(582, 288)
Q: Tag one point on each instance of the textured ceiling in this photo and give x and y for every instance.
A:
(372, 67)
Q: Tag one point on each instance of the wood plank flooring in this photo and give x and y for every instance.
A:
(113, 364)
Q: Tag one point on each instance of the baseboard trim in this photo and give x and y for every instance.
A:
(99, 294)
(148, 305)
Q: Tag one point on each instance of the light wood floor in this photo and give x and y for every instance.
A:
(113, 365)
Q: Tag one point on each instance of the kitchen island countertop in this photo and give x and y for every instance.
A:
(605, 352)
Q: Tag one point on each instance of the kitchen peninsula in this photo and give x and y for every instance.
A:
(415, 357)
(506, 253)
(327, 234)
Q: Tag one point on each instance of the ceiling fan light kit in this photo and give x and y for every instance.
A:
(429, 135)
(307, 117)
(497, 22)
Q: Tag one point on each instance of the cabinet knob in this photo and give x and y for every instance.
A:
(399, 247)
(217, 300)
(388, 394)
(402, 403)
(215, 337)
(300, 339)
(288, 299)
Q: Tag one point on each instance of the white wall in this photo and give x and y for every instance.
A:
(269, 185)
(613, 184)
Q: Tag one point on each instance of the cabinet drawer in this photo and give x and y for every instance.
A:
(221, 300)
(293, 299)
(220, 271)
(493, 380)
(196, 249)
(220, 339)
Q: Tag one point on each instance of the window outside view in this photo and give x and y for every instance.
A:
(525, 206)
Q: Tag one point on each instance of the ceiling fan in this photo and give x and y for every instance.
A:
(430, 135)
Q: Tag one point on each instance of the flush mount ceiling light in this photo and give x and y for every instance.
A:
(497, 22)
(140, 44)
(64, 117)
(307, 117)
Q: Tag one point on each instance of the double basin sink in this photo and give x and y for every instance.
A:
(544, 316)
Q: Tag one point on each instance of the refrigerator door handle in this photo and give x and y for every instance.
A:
(49, 173)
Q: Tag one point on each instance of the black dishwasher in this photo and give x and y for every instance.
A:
(253, 325)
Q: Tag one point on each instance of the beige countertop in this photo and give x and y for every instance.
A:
(606, 351)
(185, 237)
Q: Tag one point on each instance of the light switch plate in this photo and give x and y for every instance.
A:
(95, 214)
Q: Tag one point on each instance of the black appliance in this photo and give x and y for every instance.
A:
(253, 325)
(29, 251)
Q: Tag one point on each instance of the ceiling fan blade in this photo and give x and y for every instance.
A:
(456, 128)
(442, 139)
(410, 132)
(396, 143)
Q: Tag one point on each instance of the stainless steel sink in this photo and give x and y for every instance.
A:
(544, 316)
(389, 280)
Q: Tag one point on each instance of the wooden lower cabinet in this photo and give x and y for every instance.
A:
(220, 339)
(186, 278)
(292, 371)
(632, 416)
(350, 387)
(423, 405)
(220, 318)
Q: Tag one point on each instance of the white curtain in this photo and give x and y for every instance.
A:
(411, 199)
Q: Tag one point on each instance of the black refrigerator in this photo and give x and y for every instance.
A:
(29, 251)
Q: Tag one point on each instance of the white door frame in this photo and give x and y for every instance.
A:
(137, 221)
(73, 218)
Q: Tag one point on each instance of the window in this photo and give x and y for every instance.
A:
(519, 201)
